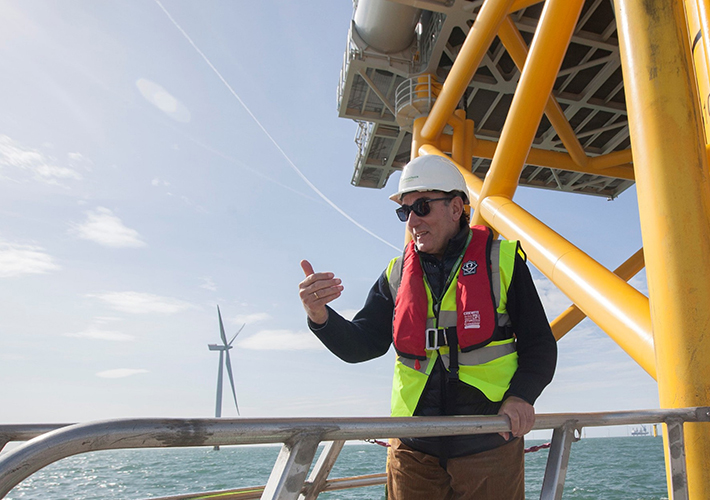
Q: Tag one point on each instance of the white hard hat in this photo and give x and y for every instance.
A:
(430, 173)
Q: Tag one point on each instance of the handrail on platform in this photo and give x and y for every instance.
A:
(302, 436)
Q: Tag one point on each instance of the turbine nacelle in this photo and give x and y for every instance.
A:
(217, 347)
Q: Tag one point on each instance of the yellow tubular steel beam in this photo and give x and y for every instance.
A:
(614, 305)
(615, 164)
(522, 4)
(613, 159)
(554, 31)
(517, 49)
(477, 41)
(673, 188)
(458, 144)
(573, 315)
(470, 134)
(417, 136)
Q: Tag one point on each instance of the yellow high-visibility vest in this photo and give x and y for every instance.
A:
(489, 368)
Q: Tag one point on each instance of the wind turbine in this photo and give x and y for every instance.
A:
(224, 352)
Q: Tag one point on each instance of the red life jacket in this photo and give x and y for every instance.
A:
(475, 307)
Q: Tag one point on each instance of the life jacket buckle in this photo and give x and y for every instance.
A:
(435, 338)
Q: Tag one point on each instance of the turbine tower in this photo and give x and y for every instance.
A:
(224, 352)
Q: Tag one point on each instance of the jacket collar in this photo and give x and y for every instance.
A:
(454, 247)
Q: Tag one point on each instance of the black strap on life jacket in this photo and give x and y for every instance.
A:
(449, 403)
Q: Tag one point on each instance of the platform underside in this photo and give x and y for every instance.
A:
(589, 89)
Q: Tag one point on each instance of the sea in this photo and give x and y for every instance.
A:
(612, 468)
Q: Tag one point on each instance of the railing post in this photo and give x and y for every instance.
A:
(321, 471)
(557, 460)
(289, 473)
(676, 454)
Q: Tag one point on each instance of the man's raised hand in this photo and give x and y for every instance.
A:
(316, 291)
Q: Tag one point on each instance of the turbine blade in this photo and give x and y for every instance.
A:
(221, 327)
(235, 335)
(231, 380)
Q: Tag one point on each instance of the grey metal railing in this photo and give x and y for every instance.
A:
(418, 93)
(301, 437)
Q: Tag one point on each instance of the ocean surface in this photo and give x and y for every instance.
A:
(628, 468)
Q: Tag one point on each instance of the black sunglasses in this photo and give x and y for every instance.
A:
(420, 207)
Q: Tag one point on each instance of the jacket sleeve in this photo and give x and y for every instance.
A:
(537, 347)
(368, 335)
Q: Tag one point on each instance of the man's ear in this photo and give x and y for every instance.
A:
(457, 207)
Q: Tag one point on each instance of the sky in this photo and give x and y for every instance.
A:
(158, 159)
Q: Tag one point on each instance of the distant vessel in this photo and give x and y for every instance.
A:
(640, 431)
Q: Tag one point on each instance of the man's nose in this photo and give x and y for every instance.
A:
(413, 219)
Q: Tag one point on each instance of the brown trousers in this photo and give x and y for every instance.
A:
(497, 474)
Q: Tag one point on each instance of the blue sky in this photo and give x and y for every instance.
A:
(137, 192)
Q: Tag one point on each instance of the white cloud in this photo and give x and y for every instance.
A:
(16, 260)
(159, 182)
(553, 300)
(163, 100)
(208, 284)
(120, 373)
(141, 303)
(94, 332)
(103, 227)
(39, 166)
(349, 314)
(250, 318)
(79, 160)
(281, 340)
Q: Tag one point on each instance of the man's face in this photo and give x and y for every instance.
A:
(432, 232)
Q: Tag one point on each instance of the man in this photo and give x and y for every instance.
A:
(469, 331)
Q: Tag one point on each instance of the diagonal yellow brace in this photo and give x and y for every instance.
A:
(517, 49)
(477, 41)
(548, 48)
(614, 305)
(523, 4)
(573, 315)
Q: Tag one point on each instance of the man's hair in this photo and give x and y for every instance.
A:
(464, 219)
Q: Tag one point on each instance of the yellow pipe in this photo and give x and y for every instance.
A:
(471, 140)
(458, 144)
(613, 159)
(517, 49)
(477, 41)
(417, 140)
(614, 305)
(523, 4)
(445, 143)
(573, 315)
(568, 319)
(554, 31)
(673, 188)
(613, 164)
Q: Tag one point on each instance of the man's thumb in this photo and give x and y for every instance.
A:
(307, 267)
